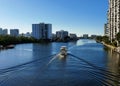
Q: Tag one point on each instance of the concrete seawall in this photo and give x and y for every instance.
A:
(109, 46)
(116, 49)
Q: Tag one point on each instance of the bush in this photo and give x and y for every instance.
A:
(7, 40)
(114, 43)
(106, 39)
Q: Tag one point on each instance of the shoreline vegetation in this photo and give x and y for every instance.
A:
(109, 46)
(8, 41)
(105, 41)
(115, 49)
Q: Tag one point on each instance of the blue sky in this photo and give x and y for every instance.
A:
(75, 16)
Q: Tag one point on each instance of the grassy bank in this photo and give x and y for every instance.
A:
(109, 46)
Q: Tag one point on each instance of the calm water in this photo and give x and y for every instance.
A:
(60, 72)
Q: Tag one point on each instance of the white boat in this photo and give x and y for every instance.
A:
(10, 46)
(1, 47)
(63, 52)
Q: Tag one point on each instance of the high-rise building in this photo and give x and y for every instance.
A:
(85, 36)
(0, 31)
(42, 31)
(73, 36)
(5, 32)
(93, 36)
(106, 30)
(14, 32)
(113, 18)
(61, 34)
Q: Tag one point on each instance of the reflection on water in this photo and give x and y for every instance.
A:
(113, 64)
(41, 50)
(50, 71)
(113, 61)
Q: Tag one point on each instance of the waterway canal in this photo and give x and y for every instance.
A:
(72, 71)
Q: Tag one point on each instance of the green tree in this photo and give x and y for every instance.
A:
(106, 39)
(99, 38)
(118, 36)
